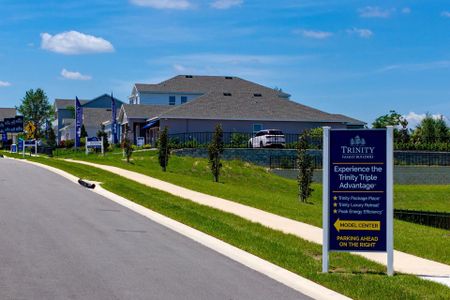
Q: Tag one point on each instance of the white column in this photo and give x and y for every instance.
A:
(103, 149)
(325, 196)
(86, 145)
(390, 199)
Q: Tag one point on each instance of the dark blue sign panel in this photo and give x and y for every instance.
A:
(18, 125)
(357, 203)
(2, 127)
(10, 123)
(78, 121)
(94, 142)
(20, 145)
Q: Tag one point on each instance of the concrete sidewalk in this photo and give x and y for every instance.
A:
(403, 262)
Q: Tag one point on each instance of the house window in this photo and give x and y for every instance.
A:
(183, 99)
(172, 100)
(257, 127)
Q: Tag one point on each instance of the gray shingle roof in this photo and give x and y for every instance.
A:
(94, 117)
(7, 113)
(272, 105)
(205, 84)
(247, 106)
(64, 103)
(136, 111)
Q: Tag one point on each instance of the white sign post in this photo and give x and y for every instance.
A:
(32, 143)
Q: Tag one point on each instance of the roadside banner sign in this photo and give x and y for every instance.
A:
(4, 137)
(78, 121)
(12, 125)
(358, 191)
(114, 120)
(9, 124)
(18, 124)
(95, 143)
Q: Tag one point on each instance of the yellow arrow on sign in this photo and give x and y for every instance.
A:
(356, 225)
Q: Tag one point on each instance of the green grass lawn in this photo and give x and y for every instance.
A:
(255, 186)
(351, 275)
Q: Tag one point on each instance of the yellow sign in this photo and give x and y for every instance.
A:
(357, 225)
(30, 128)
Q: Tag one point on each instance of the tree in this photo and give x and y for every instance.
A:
(101, 134)
(442, 130)
(36, 108)
(127, 145)
(391, 119)
(399, 122)
(163, 149)
(51, 140)
(83, 132)
(431, 130)
(305, 168)
(215, 149)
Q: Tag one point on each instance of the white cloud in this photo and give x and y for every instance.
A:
(406, 10)
(74, 42)
(446, 14)
(314, 34)
(5, 83)
(225, 4)
(74, 75)
(414, 119)
(163, 4)
(440, 64)
(179, 68)
(375, 12)
(364, 33)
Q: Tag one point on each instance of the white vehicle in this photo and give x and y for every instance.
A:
(267, 138)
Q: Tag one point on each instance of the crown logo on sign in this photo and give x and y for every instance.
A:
(357, 141)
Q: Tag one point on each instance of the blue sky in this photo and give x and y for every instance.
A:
(360, 58)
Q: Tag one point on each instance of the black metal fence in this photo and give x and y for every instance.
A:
(402, 158)
(433, 219)
(422, 158)
(232, 140)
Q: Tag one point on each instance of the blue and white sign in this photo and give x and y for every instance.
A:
(140, 141)
(95, 143)
(358, 190)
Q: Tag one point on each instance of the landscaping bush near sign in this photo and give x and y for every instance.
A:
(442, 147)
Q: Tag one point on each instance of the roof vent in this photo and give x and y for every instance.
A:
(188, 76)
(228, 77)
(257, 95)
(227, 94)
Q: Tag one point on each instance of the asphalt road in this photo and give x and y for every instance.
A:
(61, 241)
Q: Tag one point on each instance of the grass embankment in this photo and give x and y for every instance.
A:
(255, 186)
(351, 275)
